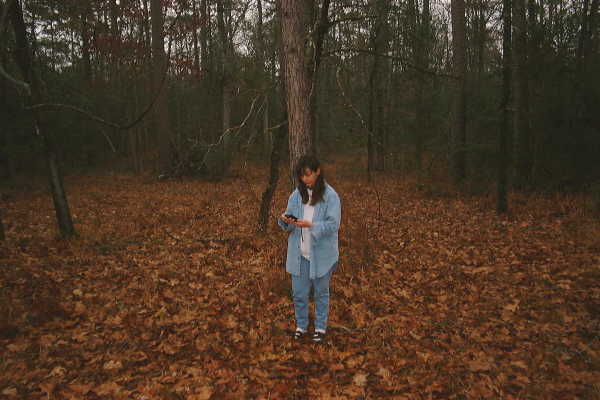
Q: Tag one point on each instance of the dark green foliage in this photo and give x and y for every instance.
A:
(564, 89)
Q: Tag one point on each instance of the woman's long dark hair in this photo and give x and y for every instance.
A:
(312, 163)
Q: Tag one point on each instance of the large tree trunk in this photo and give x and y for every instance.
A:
(267, 197)
(298, 79)
(135, 133)
(85, 41)
(278, 143)
(195, 40)
(421, 55)
(115, 49)
(377, 87)
(522, 139)
(225, 147)
(533, 47)
(141, 143)
(159, 86)
(6, 158)
(207, 106)
(264, 81)
(224, 64)
(480, 38)
(302, 56)
(459, 67)
(204, 34)
(587, 35)
(505, 130)
(25, 62)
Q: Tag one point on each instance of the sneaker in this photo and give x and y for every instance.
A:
(299, 334)
(318, 336)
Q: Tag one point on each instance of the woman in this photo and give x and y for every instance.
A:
(313, 217)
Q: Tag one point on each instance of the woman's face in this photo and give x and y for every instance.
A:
(309, 177)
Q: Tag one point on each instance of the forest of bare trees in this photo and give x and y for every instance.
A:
(495, 92)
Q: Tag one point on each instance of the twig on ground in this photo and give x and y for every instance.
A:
(342, 327)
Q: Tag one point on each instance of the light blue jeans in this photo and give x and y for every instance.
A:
(301, 290)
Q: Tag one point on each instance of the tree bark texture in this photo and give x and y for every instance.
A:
(25, 63)
(159, 85)
(224, 66)
(505, 130)
(421, 56)
(208, 106)
(377, 87)
(195, 40)
(265, 204)
(264, 76)
(85, 44)
(522, 137)
(204, 35)
(459, 68)
(218, 163)
(533, 50)
(6, 159)
(480, 35)
(298, 79)
(115, 49)
(277, 146)
(588, 28)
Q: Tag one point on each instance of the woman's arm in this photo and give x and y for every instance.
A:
(331, 222)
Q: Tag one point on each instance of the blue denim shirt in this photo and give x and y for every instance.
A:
(324, 251)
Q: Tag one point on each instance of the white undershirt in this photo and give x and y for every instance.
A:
(305, 238)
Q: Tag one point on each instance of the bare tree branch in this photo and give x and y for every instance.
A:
(41, 106)
(351, 19)
(19, 84)
(350, 104)
(237, 127)
(390, 56)
(109, 123)
(242, 15)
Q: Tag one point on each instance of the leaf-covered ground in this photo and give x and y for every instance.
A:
(168, 293)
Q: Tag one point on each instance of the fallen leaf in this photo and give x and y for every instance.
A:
(17, 347)
(479, 270)
(519, 364)
(108, 388)
(360, 379)
(479, 365)
(112, 365)
(48, 388)
(203, 393)
(512, 306)
(11, 392)
(81, 388)
(58, 371)
(80, 308)
(384, 373)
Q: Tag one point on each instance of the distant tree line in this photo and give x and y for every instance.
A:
(504, 91)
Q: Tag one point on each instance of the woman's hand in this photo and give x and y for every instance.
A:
(303, 223)
(286, 219)
(300, 223)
